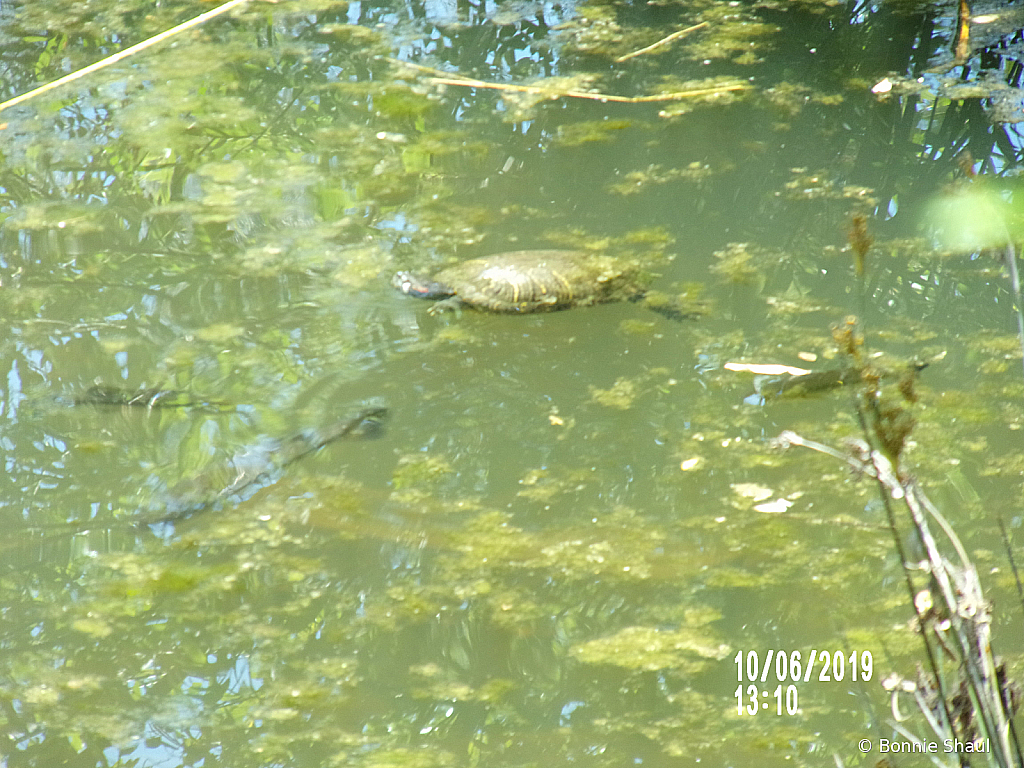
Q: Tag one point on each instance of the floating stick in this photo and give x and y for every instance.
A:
(556, 94)
(125, 53)
(454, 78)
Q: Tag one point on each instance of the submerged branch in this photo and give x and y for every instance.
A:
(252, 472)
(247, 473)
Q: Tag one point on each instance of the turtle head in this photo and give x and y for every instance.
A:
(420, 287)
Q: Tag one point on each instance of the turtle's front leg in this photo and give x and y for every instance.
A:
(451, 304)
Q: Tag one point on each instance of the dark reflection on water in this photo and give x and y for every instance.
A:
(554, 549)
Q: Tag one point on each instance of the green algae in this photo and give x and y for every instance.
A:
(648, 649)
(579, 134)
(620, 395)
(636, 182)
(426, 618)
(418, 470)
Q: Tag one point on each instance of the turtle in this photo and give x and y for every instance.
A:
(532, 281)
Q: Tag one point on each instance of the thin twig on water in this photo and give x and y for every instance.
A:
(663, 41)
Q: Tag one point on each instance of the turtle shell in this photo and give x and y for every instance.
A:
(538, 281)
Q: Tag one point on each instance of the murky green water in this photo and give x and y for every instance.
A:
(556, 547)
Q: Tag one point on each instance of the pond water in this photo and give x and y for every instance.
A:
(571, 524)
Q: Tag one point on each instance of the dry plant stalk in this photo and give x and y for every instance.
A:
(952, 609)
(962, 39)
(952, 615)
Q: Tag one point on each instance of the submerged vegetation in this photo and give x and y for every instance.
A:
(574, 521)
